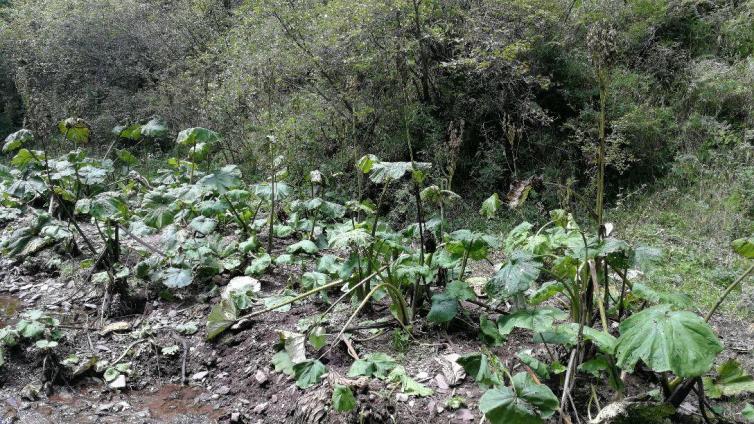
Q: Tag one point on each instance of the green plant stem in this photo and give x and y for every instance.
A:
(727, 292)
(463, 264)
(602, 77)
(237, 215)
(272, 216)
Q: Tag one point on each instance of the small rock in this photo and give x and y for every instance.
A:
(105, 407)
(235, 417)
(260, 408)
(274, 399)
(401, 397)
(119, 382)
(465, 414)
(200, 375)
(261, 377)
(143, 414)
(31, 392)
(222, 390)
(422, 376)
(441, 382)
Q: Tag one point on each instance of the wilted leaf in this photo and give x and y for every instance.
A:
(223, 315)
(490, 206)
(481, 368)
(519, 191)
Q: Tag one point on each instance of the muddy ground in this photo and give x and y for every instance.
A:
(231, 379)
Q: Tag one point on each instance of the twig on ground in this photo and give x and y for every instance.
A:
(125, 352)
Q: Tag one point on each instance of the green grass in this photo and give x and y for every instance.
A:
(694, 214)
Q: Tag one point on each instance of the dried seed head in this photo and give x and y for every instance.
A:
(601, 41)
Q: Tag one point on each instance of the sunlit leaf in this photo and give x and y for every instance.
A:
(17, 139)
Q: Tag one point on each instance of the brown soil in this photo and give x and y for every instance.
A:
(223, 375)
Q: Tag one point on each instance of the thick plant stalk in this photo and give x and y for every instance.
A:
(600, 206)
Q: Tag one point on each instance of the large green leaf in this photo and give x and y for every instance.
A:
(567, 334)
(17, 139)
(744, 247)
(644, 292)
(342, 398)
(667, 340)
(486, 372)
(176, 278)
(160, 207)
(476, 244)
(303, 247)
(346, 239)
(525, 403)
(308, 373)
(382, 172)
(731, 380)
(223, 179)
(516, 276)
(75, 130)
(131, 132)
(191, 136)
(530, 319)
(203, 224)
(444, 308)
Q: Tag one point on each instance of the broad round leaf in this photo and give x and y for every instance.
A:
(667, 340)
(343, 399)
(308, 373)
(534, 319)
(17, 139)
(191, 136)
(516, 276)
(744, 247)
(525, 403)
(75, 130)
(176, 278)
(303, 247)
(223, 179)
(444, 308)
